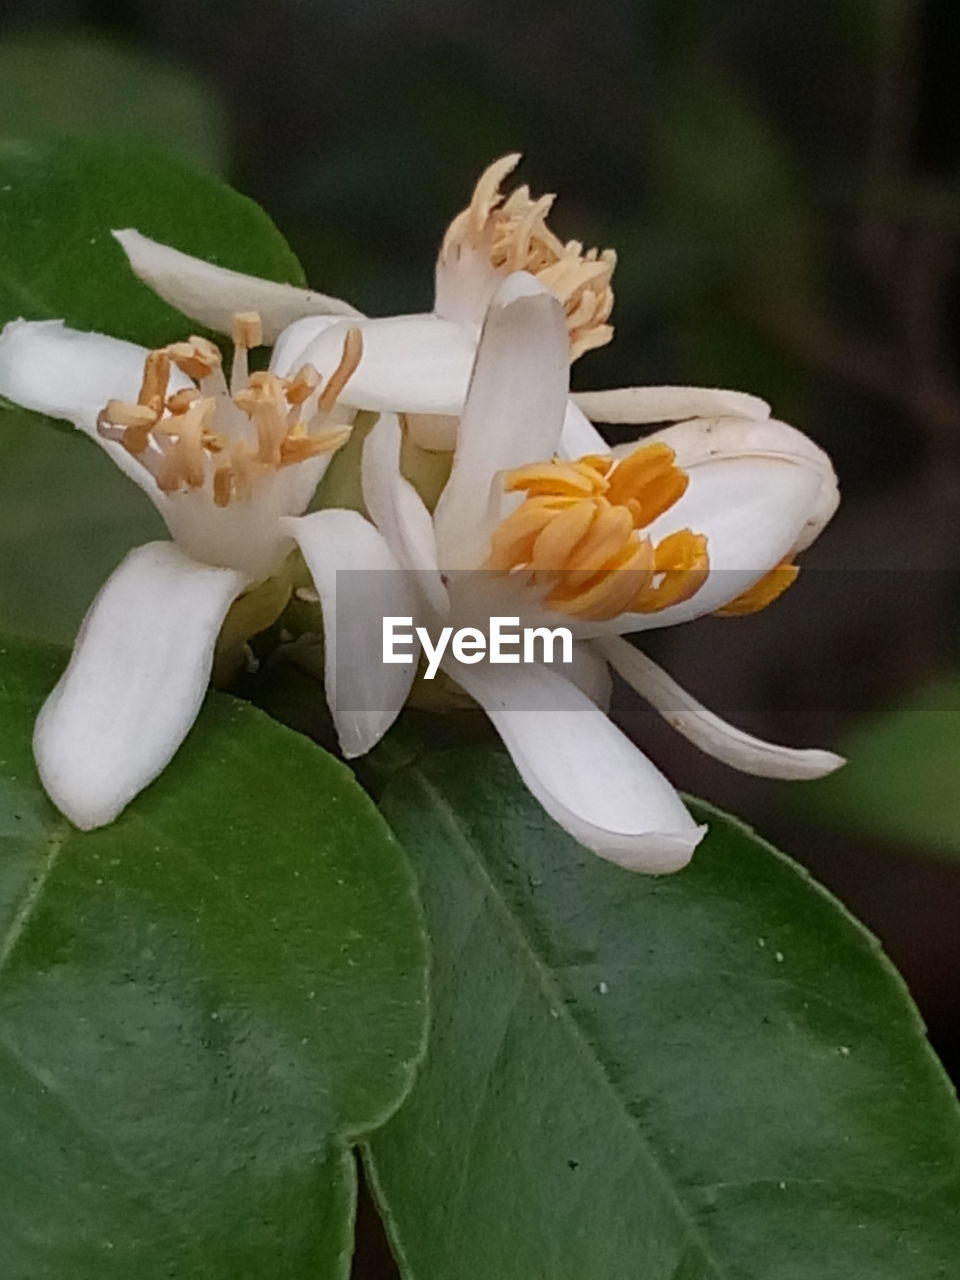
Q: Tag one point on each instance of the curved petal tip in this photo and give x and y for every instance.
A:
(135, 682)
(655, 853)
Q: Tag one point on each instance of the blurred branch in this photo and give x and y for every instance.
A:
(892, 121)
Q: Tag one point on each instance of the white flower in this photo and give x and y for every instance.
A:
(700, 518)
(223, 464)
(419, 365)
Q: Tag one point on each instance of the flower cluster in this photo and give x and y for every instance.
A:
(536, 518)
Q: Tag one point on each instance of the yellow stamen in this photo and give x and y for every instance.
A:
(639, 469)
(512, 543)
(196, 436)
(156, 375)
(515, 235)
(299, 448)
(556, 479)
(564, 531)
(222, 486)
(610, 532)
(352, 351)
(609, 592)
(579, 531)
(246, 332)
(247, 329)
(264, 401)
(770, 587)
(197, 358)
(681, 564)
(600, 462)
(181, 401)
(130, 415)
(130, 424)
(305, 382)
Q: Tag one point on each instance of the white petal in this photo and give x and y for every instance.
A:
(580, 436)
(212, 295)
(711, 438)
(585, 773)
(71, 375)
(360, 582)
(707, 440)
(245, 535)
(752, 511)
(707, 731)
(465, 282)
(590, 672)
(135, 682)
(291, 345)
(513, 414)
(398, 510)
(410, 364)
(636, 405)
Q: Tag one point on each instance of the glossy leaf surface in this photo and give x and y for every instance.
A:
(201, 1006)
(711, 1076)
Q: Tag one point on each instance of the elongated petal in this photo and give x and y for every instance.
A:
(513, 415)
(752, 511)
(398, 510)
(587, 775)
(289, 350)
(135, 682)
(212, 295)
(71, 375)
(465, 281)
(579, 435)
(726, 438)
(707, 731)
(360, 582)
(590, 673)
(638, 405)
(410, 364)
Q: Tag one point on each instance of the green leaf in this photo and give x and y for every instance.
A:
(67, 516)
(78, 86)
(201, 1006)
(59, 202)
(711, 1076)
(901, 780)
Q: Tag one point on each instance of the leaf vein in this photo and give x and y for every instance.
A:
(33, 894)
(556, 998)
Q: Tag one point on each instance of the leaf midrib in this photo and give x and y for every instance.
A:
(33, 893)
(558, 1004)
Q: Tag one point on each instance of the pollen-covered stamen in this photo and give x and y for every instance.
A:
(579, 533)
(301, 387)
(352, 351)
(226, 441)
(153, 388)
(199, 359)
(246, 333)
(680, 566)
(513, 231)
(770, 587)
(262, 398)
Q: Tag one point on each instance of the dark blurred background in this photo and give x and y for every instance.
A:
(782, 184)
